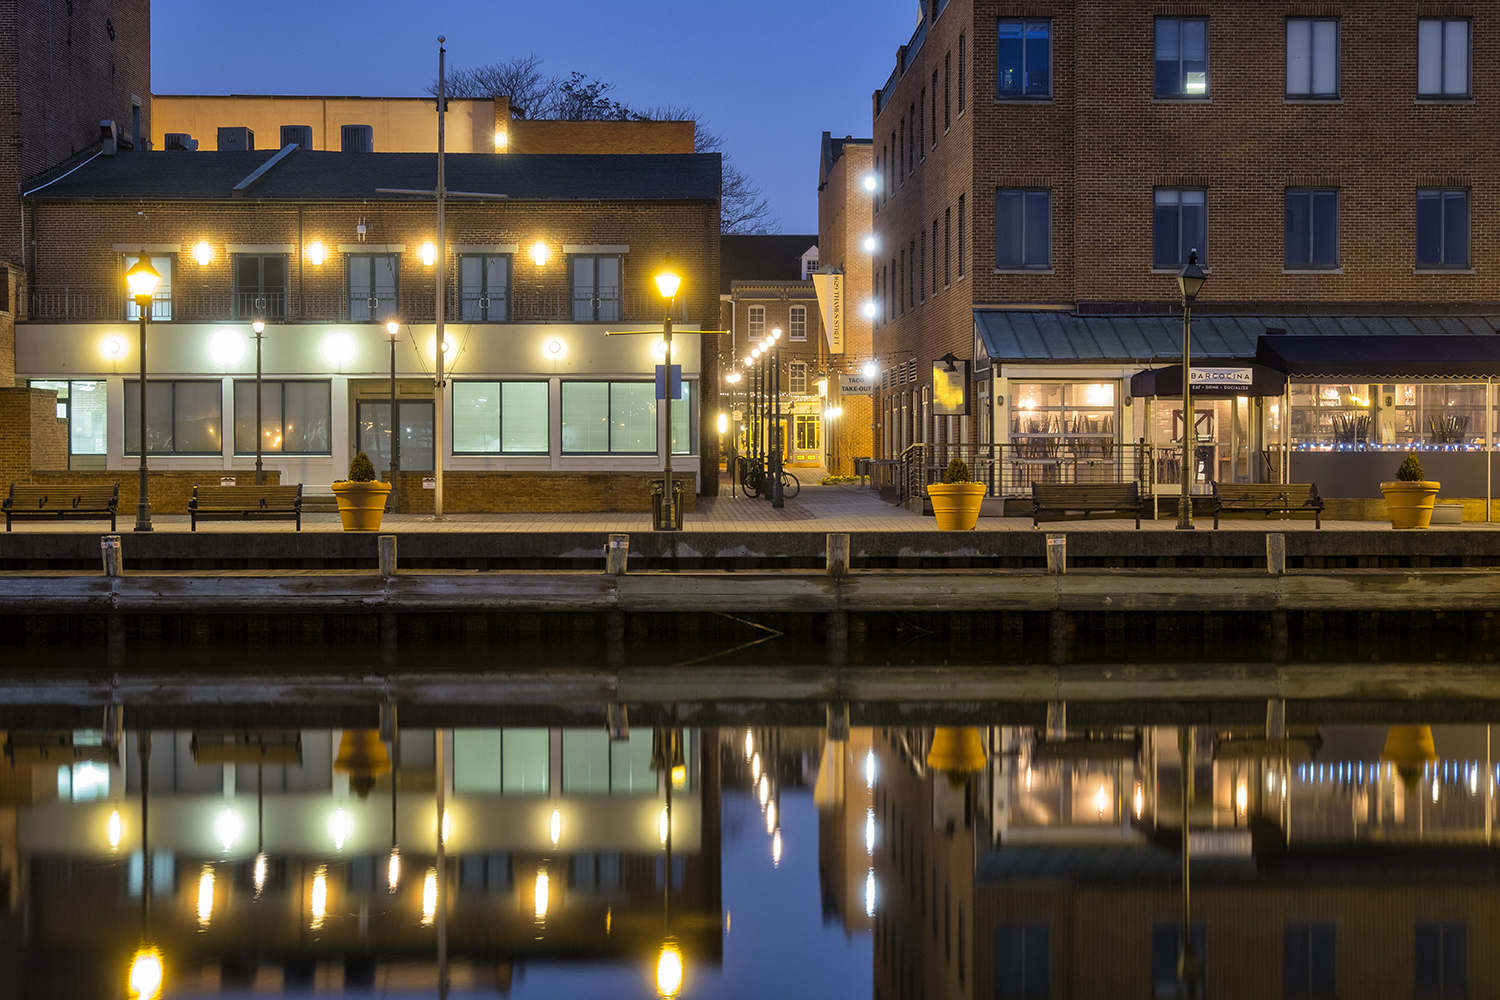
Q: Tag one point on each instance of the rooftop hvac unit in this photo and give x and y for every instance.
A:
(236, 139)
(299, 134)
(357, 138)
(181, 141)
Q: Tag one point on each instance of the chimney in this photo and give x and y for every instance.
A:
(503, 119)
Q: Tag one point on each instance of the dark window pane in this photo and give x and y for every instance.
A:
(1195, 58)
(1194, 227)
(247, 273)
(1429, 227)
(1168, 56)
(1325, 228)
(273, 274)
(1009, 233)
(1298, 228)
(1038, 229)
(1011, 58)
(1165, 253)
(1038, 59)
(1455, 228)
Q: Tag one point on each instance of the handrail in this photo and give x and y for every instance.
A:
(1009, 469)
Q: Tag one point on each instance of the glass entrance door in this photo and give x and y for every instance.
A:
(374, 433)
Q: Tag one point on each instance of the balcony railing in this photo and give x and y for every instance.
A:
(1010, 469)
(518, 304)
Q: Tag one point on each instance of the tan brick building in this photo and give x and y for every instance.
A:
(535, 390)
(1044, 169)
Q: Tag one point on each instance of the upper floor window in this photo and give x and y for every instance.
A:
(161, 301)
(596, 287)
(1181, 57)
(1312, 229)
(1443, 57)
(962, 54)
(1442, 228)
(259, 286)
(757, 322)
(796, 323)
(1024, 68)
(1312, 57)
(484, 287)
(372, 285)
(1179, 224)
(1023, 229)
(796, 378)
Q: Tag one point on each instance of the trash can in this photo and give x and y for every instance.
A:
(658, 522)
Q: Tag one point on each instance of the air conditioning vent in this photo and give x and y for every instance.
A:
(236, 139)
(181, 141)
(357, 138)
(299, 134)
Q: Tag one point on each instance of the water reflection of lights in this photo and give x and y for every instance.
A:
(339, 827)
(870, 832)
(447, 830)
(1241, 798)
(205, 896)
(776, 849)
(679, 776)
(663, 825)
(669, 970)
(869, 770)
(1140, 800)
(749, 744)
(429, 897)
(755, 768)
(543, 893)
(1101, 801)
(1435, 786)
(145, 973)
(1028, 778)
(556, 827)
(319, 897)
(870, 893)
(770, 817)
(229, 827)
(765, 790)
(259, 874)
(393, 870)
(115, 828)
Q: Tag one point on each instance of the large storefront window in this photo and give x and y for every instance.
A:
(492, 418)
(296, 418)
(182, 418)
(1056, 419)
(1424, 416)
(620, 418)
(83, 406)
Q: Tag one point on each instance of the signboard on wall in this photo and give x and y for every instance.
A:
(857, 384)
(950, 387)
(1221, 378)
(830, 289)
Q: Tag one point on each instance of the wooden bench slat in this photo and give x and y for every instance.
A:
(1115, 498)
(246, 502)
(1267, 498)
(61, 501)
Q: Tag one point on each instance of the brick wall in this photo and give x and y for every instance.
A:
(537, 136)
(31, 436)
(844, 221)
(553, 492)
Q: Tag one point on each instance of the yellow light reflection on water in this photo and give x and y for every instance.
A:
(669, 970)
(543, 891)
(205, 896)
(663, 826)
(429, 897)
(115, 828)
(146, 974)
(319, 898)
(393, 870)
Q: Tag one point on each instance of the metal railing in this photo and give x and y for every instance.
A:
(560, 303)
(1010, 469)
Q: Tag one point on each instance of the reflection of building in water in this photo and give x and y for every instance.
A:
(845, 796)
(265, 866)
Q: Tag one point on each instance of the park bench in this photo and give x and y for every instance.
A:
(44, 502)
(1089, 498)
(246, 503)
(1267, 498)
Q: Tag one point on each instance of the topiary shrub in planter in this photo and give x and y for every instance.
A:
(361, 499)
(955, 501)
(1409, 498)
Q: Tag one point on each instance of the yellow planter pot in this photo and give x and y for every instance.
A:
(361, 505)
(956, 505)
(1410, 504)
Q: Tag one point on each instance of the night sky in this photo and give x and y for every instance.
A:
(770, 76)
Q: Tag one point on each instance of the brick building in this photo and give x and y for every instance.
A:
(1045, 168)
(541, 409)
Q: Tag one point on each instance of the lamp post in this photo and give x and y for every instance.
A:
(393, 330)
(667, 283)
(259, 326)
(777, 438)
(142, 279)
(1189, 280)
(733, 378)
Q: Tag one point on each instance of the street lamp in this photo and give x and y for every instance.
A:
(393, 330)
(259, 326)
(777, 438)
(142, 280)
(1189, 280)
(667, 284)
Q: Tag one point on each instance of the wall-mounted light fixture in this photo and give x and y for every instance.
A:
(113, 347)
(338, 348)
(203, 253)
(316, 253)
(502, 139)
(429, 254)
(226, 347)
(539, 253)
(554, 348)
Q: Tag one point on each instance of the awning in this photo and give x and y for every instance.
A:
(1441, 358)
(1237, 377)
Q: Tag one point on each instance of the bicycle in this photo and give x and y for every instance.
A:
(790, 485)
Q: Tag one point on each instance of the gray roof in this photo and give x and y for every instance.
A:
(322, 175)
(762, 258)
(1043, 335)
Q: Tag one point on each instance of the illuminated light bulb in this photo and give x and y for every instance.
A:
(870, 370)
(749, 744)
(870, 893)
(556, 828)
(205, 896)
(663, 825)
(765, 789)
(502, 139)
(1140, 800)
(755, 768)
(870, 183)
(869, 310)
(114, 347)
(1241, 797)
(146, 974)
(776, 849)
(429, 254)
(229, 827)
(554, 347)
(429, 897)
(259, 874)
(661, 347)
(539, 253)
(669, 970)
(226, 347)
(543, 892)
(203, 253)
(770, 817)
(870, 832)
(338, 349)
(393, 870)
(870, 244)
(1101, 800)
(115, 828)
(869, 770)
(393, 328)
(447, 830)
(339, 827)
(316, 253)
(319, 898)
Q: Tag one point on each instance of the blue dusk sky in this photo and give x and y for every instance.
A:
(769, 76)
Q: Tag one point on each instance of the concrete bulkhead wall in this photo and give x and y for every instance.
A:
(553, 492)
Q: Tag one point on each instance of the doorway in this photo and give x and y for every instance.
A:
(373, 424)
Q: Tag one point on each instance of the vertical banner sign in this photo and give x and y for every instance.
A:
(661, 382)
(950, 389)
(830, 289)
